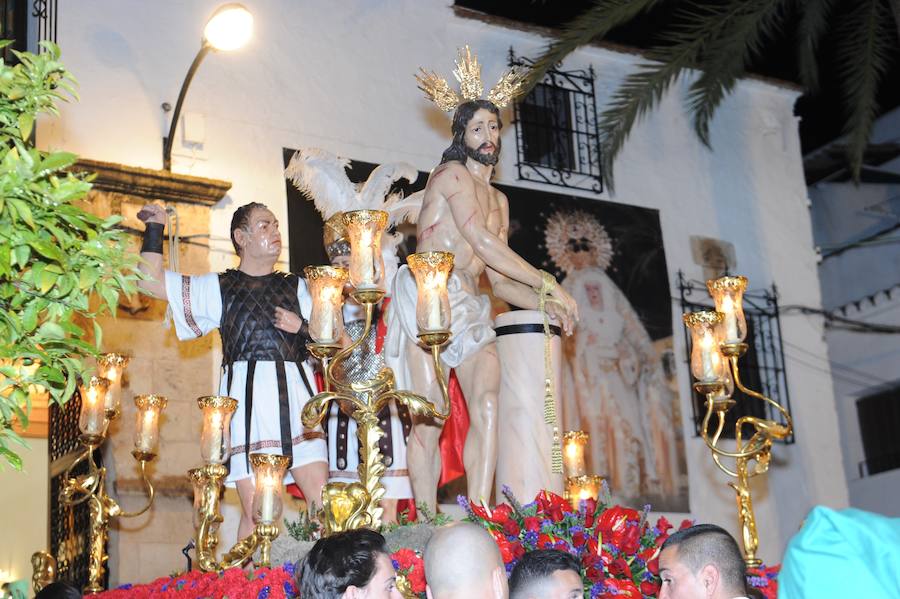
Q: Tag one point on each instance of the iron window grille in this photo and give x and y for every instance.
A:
(70, 525)
(557, 139)
(761, 368)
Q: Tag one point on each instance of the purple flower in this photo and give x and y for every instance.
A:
(596, 589)
(463, 502)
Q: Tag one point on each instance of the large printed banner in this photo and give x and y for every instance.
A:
(618, 372)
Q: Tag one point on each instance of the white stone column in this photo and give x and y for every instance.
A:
(525, 440)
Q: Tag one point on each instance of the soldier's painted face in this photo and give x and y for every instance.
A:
(261, 237)
(482, 137)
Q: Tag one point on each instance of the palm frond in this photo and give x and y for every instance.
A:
(593, 24)
(863, 55)
(812, 27)
(743, 26)
(642, 90)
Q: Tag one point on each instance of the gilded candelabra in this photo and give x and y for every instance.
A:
(717, 339)
(207, 480)
(347, 506)
(100, 398)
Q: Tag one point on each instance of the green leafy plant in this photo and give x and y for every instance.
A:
(720, 39)
(303, 528)
(55, 257)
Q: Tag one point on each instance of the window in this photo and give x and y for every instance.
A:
(761, 368)
(879, 419)
(556, 130)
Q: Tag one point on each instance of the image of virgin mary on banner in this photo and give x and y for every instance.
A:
(618, 381)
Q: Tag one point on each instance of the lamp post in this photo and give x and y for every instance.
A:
(229, 28)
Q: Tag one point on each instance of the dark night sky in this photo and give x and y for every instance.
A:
(822, 114)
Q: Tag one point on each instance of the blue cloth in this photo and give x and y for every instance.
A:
(844, 554)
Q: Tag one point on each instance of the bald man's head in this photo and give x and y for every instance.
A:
(462, 560)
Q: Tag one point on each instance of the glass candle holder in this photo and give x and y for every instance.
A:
(431, 270)
(268, 470)
(215, 435)
(364, 228)
(146, 423)
(581, 488)
(112, 367)
(574, 447)
(326, 287)
(707, 362)
(728, 294)
(92, 421)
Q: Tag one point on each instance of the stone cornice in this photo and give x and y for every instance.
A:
(153, 184)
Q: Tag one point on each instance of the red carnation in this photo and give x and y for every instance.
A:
(578, 539)
(532, 524)
(686, 524)
(594, 574)
(620, 568)
(511, 528)
(650, 589)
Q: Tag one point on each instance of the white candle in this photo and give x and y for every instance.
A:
(327, 313)
(433, 297)
(731, 332)
(574, 458)
(267, 501)
(92, 415)
(215, 437)
(709, 357)
(366, 259)
(147, 435)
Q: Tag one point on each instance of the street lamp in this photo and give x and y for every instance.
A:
(229, 28)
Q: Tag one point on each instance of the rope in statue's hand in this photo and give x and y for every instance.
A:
(548, 283)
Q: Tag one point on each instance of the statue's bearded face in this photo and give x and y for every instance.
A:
(482, 137)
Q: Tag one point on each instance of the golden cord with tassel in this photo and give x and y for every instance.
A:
(548, 282)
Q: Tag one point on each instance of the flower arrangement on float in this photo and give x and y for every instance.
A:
(617, 546)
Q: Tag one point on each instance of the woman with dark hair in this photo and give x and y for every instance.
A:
(350, 565)
(59, 590)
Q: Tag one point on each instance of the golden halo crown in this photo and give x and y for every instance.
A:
(468, 74)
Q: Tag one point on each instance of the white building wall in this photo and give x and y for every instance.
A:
(339, 75)
(862, 282)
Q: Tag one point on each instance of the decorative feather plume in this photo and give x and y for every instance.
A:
(406, 209)
(373, 192)
(322, 175)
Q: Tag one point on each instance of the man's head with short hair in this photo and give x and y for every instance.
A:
(702, 562)
(349, 565)
(546, 574)
(462, 560)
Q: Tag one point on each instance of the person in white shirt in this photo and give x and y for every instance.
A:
(702, 562)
